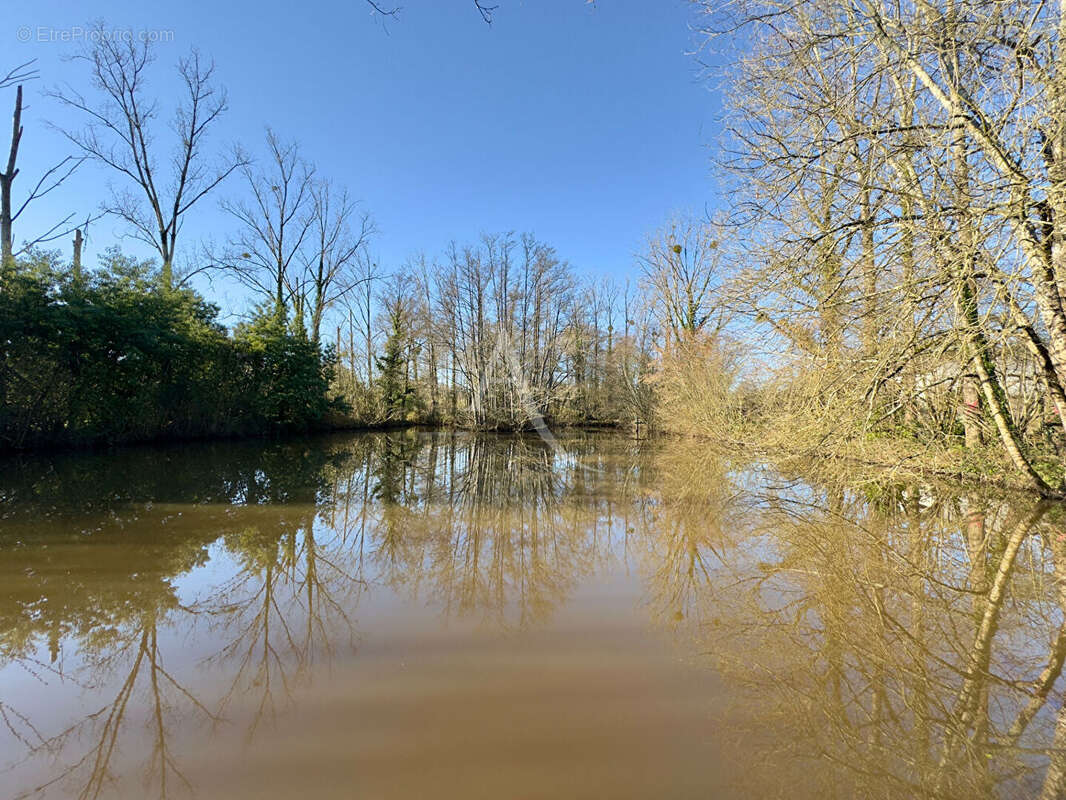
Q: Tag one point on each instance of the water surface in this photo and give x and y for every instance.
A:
(443, 614)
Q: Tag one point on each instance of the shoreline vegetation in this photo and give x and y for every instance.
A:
(882, 290)
(704, 396)
(114, 356)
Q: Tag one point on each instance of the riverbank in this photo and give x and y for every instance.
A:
(887, 461)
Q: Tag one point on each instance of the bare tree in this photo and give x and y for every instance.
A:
(50, 180)
(339, 232)
(682, 271)
(369, 274)
(121, 125)
(274, 223)
(908, 158)
(503, 311)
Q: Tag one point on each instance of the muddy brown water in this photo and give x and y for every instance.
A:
(448, 615)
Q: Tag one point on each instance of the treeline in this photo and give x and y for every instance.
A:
(499, 334)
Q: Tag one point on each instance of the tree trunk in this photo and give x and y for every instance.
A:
(971, 411)
(76, 263)
(6, 179)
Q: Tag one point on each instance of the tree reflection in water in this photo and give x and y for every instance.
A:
(902, 642)
(898, 643)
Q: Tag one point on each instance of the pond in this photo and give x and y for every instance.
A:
(446, 614)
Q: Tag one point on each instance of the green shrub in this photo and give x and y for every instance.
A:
(114, 356)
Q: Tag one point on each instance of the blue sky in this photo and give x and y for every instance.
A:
(586, 124)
